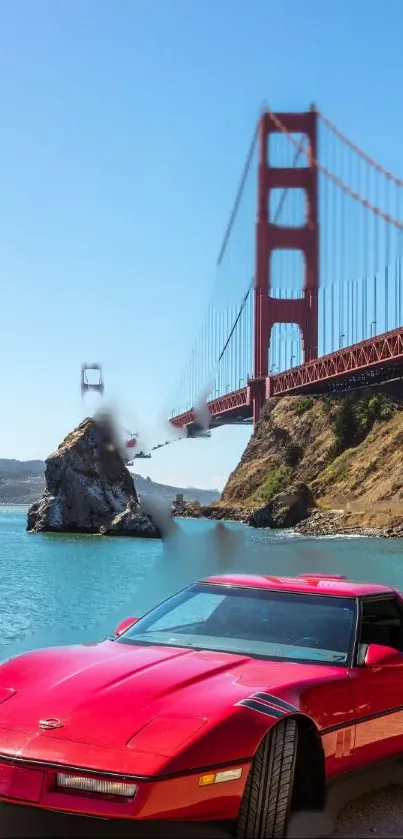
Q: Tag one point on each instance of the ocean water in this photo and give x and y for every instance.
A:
(69, 589)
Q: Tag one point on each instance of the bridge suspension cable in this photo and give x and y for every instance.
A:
(335, 178)
(238, 196)
(361, 244)
(277, 215)
(357, 150)
(360, 255)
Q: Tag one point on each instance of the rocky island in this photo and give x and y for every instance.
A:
(89, 489)
(322, 465)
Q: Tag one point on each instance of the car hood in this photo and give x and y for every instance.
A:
(114, 695)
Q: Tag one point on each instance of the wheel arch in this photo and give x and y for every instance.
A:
(309, 787)
(309, 791)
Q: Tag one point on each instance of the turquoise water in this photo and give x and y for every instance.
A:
(68, 589)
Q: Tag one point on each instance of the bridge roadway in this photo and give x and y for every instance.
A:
(371, 361)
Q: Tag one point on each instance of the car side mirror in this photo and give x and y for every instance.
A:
(377, 655)
(126, 623)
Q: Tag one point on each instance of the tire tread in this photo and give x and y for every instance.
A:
(266, 801)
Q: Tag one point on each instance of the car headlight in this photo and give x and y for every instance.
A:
(102, 787)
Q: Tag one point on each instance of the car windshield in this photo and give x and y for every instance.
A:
(254, 622)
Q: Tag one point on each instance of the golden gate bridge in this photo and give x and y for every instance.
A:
(308, 291)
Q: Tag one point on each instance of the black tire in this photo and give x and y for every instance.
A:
(266, 800)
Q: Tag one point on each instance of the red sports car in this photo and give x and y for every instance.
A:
(238, 699)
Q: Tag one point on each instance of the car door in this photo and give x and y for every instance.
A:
(378, 690)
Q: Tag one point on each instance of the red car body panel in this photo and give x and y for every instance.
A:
(332, 584)
(165, 716)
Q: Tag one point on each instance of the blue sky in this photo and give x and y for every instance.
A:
(124, 127)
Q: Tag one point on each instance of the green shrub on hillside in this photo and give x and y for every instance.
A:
(305, 405)
(380, 408)
(336, 471)
(355, 418)
(275, 482)
(345, 426)
(327, 405)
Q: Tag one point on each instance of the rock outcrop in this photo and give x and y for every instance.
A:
(286, 509)
(187, 509)
(131, 522)
(88, 488)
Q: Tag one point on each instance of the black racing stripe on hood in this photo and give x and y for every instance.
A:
(279, 703)
(261, 707)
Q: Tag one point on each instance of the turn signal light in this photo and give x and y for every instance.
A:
(102, 787)
(220, 777)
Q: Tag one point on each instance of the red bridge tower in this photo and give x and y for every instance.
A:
(270, 236)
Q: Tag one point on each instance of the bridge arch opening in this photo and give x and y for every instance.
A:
(285, 347)
(282, 152)
(287, 208)
(286, 273)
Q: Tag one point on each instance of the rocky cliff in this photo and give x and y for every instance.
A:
(346, 450)
(89, 489)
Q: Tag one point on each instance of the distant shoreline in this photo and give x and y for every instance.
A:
(14, 504)
(23, 482)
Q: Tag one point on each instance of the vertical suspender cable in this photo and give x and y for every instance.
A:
(387, 255)
(376, 254)
(396, 315)
(335, 216)
(399, 239)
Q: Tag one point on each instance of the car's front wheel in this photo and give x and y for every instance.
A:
(266, 801)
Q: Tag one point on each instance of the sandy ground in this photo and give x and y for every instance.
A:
(374, 814)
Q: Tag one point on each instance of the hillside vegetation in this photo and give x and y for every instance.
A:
(347, 449)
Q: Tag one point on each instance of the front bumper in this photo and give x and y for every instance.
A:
(33, 783)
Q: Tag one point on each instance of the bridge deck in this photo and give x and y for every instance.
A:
(375, 359)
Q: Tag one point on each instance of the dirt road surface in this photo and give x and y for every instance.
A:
(379, 814)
